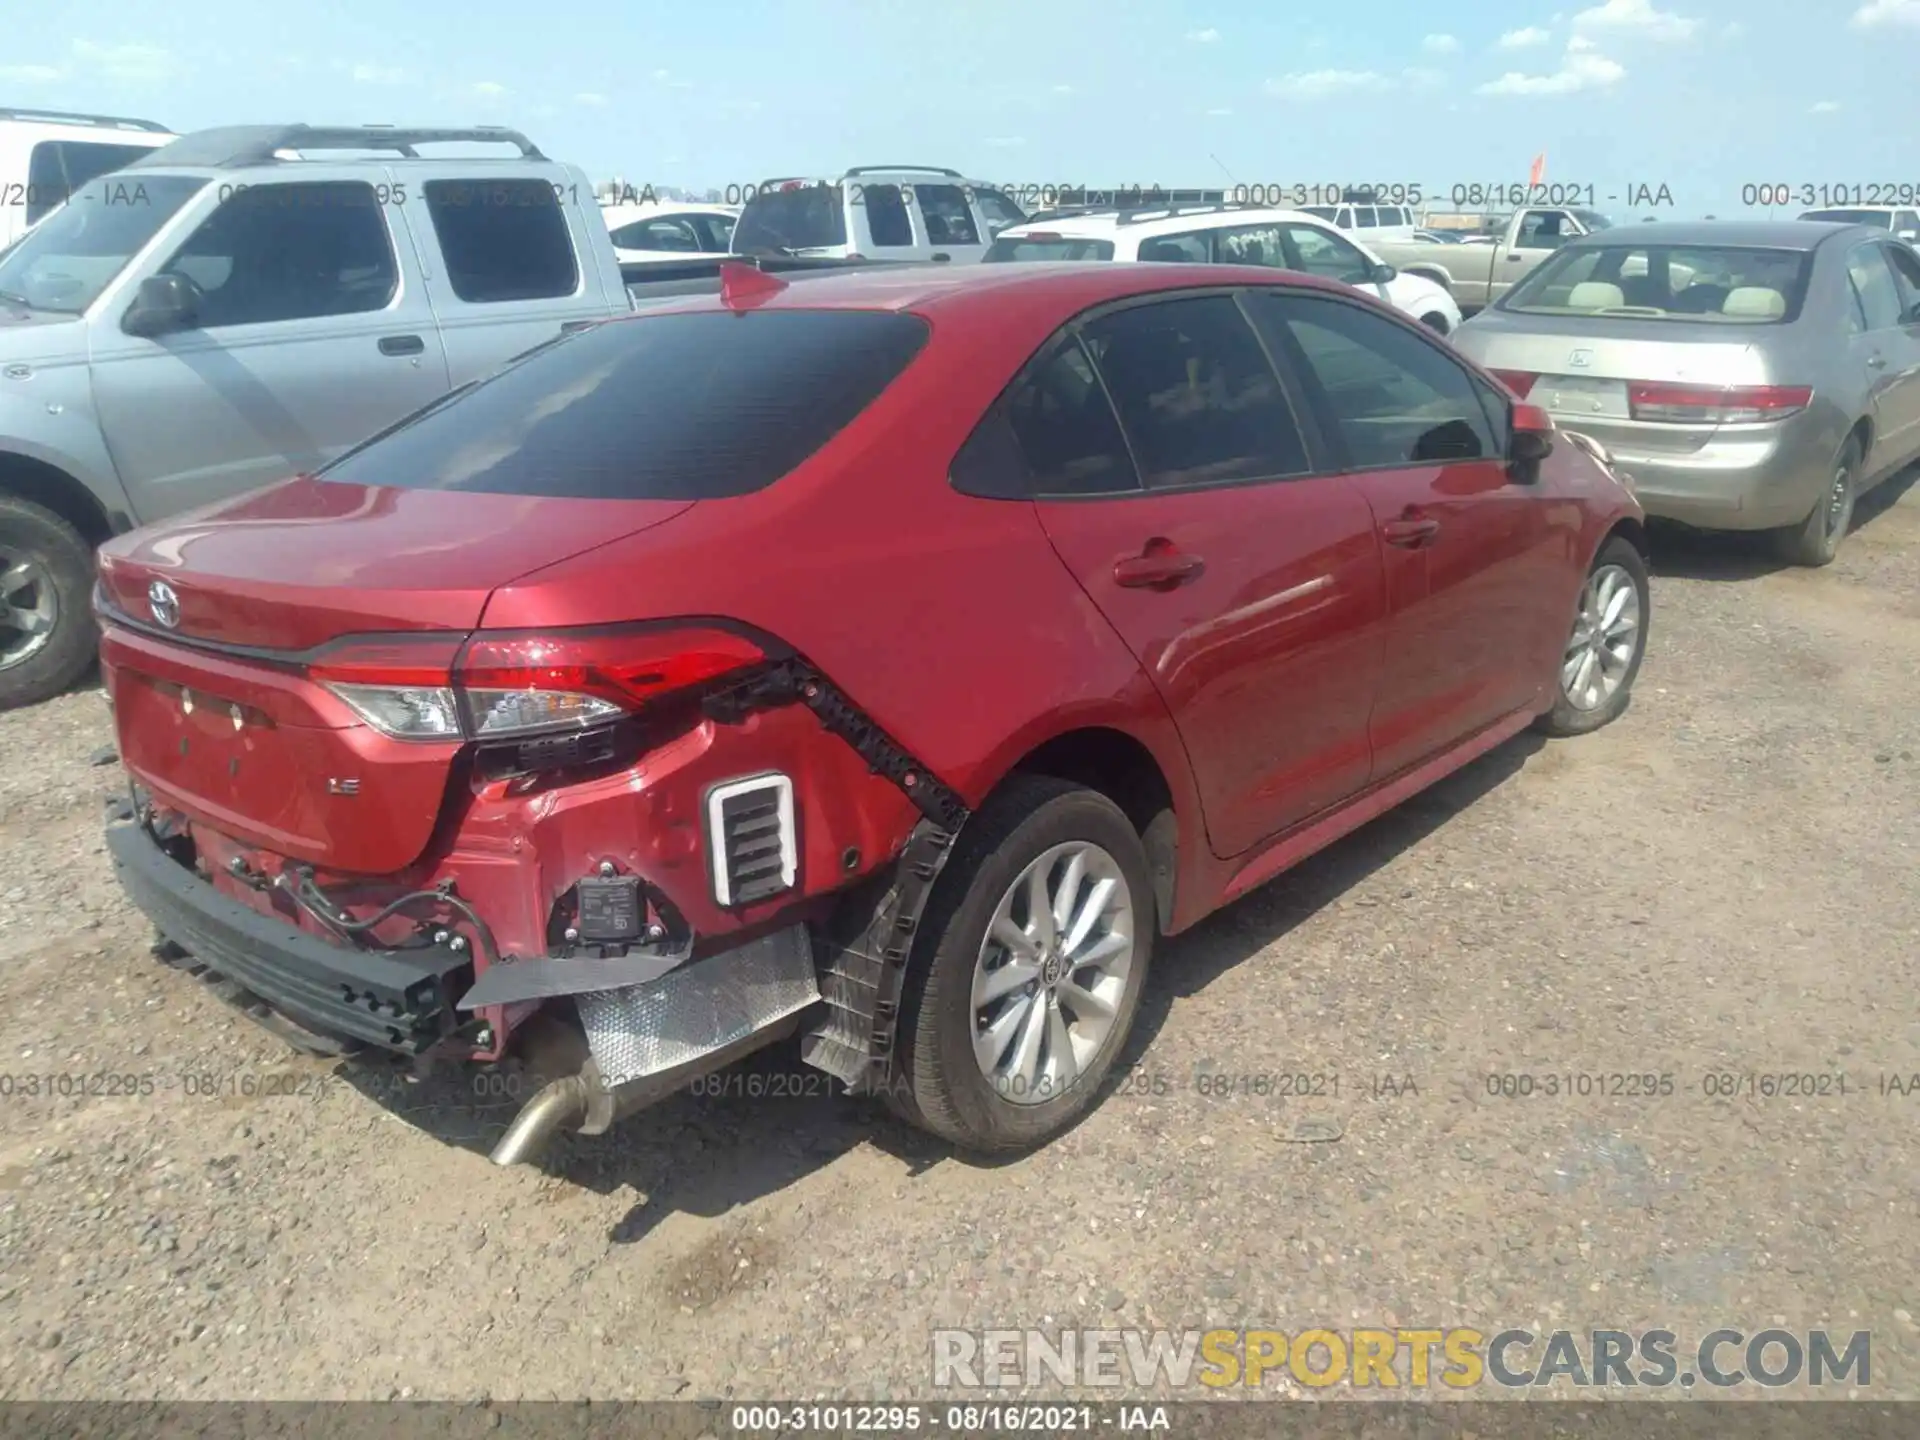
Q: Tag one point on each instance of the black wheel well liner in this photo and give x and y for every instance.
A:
(52, 488)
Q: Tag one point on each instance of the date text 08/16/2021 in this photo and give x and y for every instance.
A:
(1639, 194)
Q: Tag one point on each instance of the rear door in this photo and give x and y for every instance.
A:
(1468, 552)
(1904, 346)
(1247, 584)
(509, 259)
(1881, 345)
(313, 331)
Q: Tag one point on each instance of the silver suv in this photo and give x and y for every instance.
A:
(245, 304)
(879, 212)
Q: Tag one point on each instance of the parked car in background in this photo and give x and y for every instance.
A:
(1437, 237)
(1749, 376)
(46, 155)
(213, 318)
(1227, 235)
(1369, 222)
(1902, 220)
(1477, 274)
(670, 230)
(1265, 560)
(888, 212)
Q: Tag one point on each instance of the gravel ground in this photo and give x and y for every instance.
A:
(1721, 882)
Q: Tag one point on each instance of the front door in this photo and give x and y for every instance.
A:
(1247, 584)
(1468, 551)
(312, 332)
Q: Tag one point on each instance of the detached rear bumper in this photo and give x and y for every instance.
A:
(401, 1001)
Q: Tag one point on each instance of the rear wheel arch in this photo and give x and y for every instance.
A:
(1863, 432)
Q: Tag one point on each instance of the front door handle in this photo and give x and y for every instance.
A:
(1876, 362)
(1158, 567)
(941, 255)
(574, 327)
(1409, 533)
(401, 345)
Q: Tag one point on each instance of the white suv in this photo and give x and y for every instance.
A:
(45, 155)
(1369, 222)
(877, 212)
(1227, 235)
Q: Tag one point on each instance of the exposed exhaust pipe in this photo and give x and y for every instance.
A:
(586, 1104)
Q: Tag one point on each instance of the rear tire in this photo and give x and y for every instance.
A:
(961, 1000)
(47, 633)
(1815, 541)
(1594, 680)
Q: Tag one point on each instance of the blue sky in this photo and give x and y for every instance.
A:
(1702, 96)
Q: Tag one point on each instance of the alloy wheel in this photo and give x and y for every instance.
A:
(1606, 633)
(29, 608)
(1052, 972)
(1839, 505)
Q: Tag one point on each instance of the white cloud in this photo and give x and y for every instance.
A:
(1063, 89)
(489, 89)
(379, 75)
(1638, 17)
(1007, 142)
(1321, 84)
(1221, 110)
(1823, 107)
(672, 81)
(1582, 68)
(1887, 12)
(135, 64)
(1423, 77)
(1203, 37)
(590, 97)
(1525, 38)
(31, 74)
(1440, 45)
(1732, 30)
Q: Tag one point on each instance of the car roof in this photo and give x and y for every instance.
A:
(649, 208)
(1105, 224)
(1773, 234)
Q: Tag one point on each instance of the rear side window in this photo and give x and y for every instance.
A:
(949, 218)
(1194, 247)
(668, 407)
(1011, 249)
(808, 217)
(502, 240)
(1195, 393)
(1065, 429)
(1874, 285)
(1724, 284)
(56, 168)
(887, 221)
(1395, 400)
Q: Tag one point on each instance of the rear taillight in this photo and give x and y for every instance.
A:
(1714, 404)
(1518, 381)
(512, 683)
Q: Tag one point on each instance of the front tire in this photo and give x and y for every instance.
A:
(1436, 322)
(1595, 677)
(1029, 969)
(47, 634)
(1815, 541)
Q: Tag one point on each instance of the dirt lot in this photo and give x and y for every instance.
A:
(1722, 882)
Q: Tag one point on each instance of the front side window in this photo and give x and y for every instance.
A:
(1252, 245)
(806, 217)
(887, 222)
(669, 407)
(949, 218)
(1365, 217)
(1196, 396)
(716, 231)
(662, 232)
(1321, 252)
(289, 252)
(64, 263)
(1395, 399)
(502, 240)
(1542, 230)
(998, 211)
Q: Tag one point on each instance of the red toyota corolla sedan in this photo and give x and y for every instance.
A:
(886, 657)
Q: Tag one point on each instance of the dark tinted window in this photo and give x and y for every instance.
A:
(808, 217)
(1394, 398)
(716, 231)
(949, 218)
(662, 232)
(669, 407)
(1065, 428)
(1194, 247)
(290, 252)
(1017, 248)
(1197, 398)
(56, 168)
(502, 239)
(1906, 277)
(887, 221)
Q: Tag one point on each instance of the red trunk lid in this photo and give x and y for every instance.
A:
(243, 740)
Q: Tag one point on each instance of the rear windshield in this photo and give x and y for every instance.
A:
(1051, 247)
(1724, 284)
(1881, 218)
(808, 218)
(668, 407)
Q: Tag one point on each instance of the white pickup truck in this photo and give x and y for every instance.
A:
(1477, 275)
(246, 303)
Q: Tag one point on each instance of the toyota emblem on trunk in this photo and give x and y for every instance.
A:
(164, 604)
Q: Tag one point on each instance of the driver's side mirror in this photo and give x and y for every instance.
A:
(163, 303)
(1530, 442)
(1382, 273)
(1910, 235)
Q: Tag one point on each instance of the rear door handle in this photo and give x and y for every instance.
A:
(1160, 567)
(1409, 534)
(401, 345)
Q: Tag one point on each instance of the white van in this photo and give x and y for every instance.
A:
(1370, 222)
(876, 212)
(45, 155)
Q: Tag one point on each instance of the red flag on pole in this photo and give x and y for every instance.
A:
(1539, 170)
